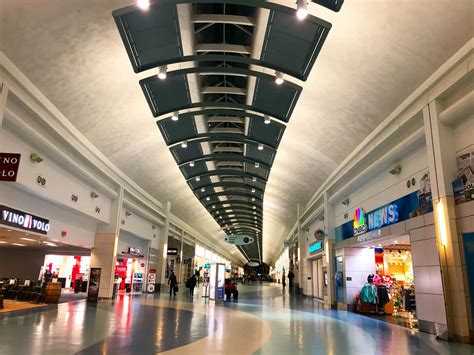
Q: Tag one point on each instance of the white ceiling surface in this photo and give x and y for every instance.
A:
(376, 54)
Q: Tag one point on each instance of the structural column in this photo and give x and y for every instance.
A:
(163, 248)
(300, 281)
(442, 168)
(329, 261)
(104, 251)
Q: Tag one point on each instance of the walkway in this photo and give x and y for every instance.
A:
(264, 321)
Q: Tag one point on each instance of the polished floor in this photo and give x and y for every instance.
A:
(265, 320)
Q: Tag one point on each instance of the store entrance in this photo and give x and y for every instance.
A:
(389, 291)
(129, 274)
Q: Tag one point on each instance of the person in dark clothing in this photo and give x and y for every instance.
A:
(173, 283)
(283, 280)
(191, 284)
(291, 276)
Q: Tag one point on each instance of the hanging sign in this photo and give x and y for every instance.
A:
(239, 239)
(19, 219)
(9, 163)
(172, 251)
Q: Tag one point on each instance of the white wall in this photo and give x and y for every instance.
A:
(80, 228)
(139, 226)
(358, 264)
(383, 187)
(60, 184)
(464, 135)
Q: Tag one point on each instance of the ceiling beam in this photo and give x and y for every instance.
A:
(220, 18)
(222, 47)
(224, 90)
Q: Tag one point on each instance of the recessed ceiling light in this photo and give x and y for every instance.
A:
(267, 119)
(143, 4)
(253, 199)
(254, 179)
(208, 198)
(29, 239)
(184, 144)
(18, 244)
(279, 78)
(260, 146)
(198, 178)
(162, 72)
(254, 207)
(302, 9)
(175, 116)
(203, 189)
(257, 164)
(191, 164)
(254, 212)
(214, 207)
(253, 190)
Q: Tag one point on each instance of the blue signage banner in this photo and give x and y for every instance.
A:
(317, 246)
(393, 212)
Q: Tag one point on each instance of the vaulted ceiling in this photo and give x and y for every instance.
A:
(221, 61)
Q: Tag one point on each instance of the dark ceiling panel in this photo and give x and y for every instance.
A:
(270, 134)
(149, 36)
(177, 131)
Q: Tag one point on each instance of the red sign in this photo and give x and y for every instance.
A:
(152, 271)
(9, 163)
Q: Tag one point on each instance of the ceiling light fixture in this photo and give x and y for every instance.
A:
(253, 190)
(203, 189)
(184, 144)
(191, 164)
(254, 207)
(162, 72)
(301, 9)
(253, 199)
(267, 119)
(214, 207)
(208, 198)
(198, 178)
(260, 146)
(254, 179)
(143, 4)
(257, 165)
(279, 78)
(175, 116)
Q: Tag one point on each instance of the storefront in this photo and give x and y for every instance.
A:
(71, 271)
(131, 263)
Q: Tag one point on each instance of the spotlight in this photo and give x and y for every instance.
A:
(253, 199)
(301, 9)
(175, 116)
(198, 178)
(257, 165)
(203, 189)
(267, 118)
(143, 4)
(191, 164)
(254, 179)
(184, 144)
(208, 198)
(260, 146)
(253, 190)
(254, 207)
(162, 72)
(279, 78)
(213, 207)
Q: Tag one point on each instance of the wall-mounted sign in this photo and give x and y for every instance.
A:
(9, 163)
(314, 247)
(172, 251)
(369, 236)
(239, 239)
(207, 266)
(19, 219)
(94, 284)
(381, 217)
(133, 251)
(359, 222)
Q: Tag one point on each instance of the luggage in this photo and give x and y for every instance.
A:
(176, 288)
(236, 294)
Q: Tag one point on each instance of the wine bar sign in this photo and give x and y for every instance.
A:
(9, 163)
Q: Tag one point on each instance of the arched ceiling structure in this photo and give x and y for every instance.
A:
(374, 55)
(228, 160)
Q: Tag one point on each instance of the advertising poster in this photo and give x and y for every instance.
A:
(463, 185)
(94, 284)
(212, 282)
(220, 280)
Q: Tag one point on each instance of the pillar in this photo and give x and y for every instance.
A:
(442, 168)
(104, 251)
(329, 261)
(163, 248)
(300, 280)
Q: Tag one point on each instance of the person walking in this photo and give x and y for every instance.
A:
(191, 284)
(283, 280)
(173, 283)
(291, 277)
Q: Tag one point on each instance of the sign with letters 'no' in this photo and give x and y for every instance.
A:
(9, 163)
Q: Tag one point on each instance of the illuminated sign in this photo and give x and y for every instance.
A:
(381, 217)
(9, 163)
(23, 220)
(133, 251)
(172, 251)
(313, 248)
(359, 222)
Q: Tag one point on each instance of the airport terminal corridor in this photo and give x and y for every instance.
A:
(264, 320)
